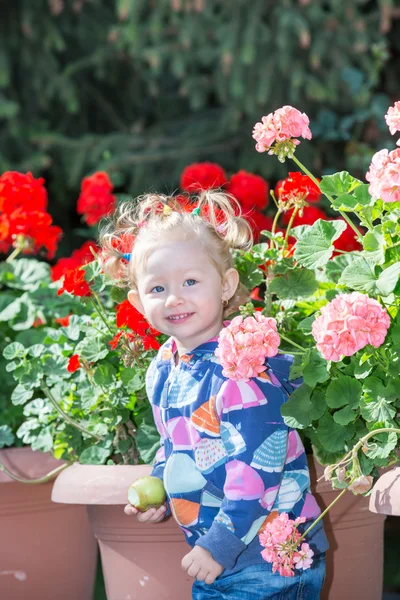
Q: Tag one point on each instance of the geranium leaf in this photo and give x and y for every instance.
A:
(332, 435)
(359, 275)
(294, 285)
(6, 436)
(344, 391)
(345, 415)
(296, 412)
(338, 183)
(316, 369)
(314, 248)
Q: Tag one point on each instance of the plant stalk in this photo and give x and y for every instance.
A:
(43, 479)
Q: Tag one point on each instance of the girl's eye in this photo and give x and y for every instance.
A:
(190, 282)
(157, 289)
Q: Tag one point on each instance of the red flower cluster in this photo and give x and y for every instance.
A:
(297, 186)
(128, 316)
(251, 191)
(310, 214)
(348, 240)
(80, 256)
(24, 222)
(74, 283)
(202, 176)
(74, 363)
(96, 200)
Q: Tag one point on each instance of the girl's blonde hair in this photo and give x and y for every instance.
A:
(137, 226)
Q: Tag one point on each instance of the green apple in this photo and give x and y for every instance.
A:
(146, 492)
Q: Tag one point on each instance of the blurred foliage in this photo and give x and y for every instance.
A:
(141, 88)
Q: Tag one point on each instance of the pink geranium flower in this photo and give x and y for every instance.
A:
(244, 345)
(280, 540)
(392, 119)
(348, 323)
(384, 175)
(303, 558)
(284, 125)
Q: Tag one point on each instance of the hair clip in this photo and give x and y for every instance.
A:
(127, 256)
(141, 223)
(196, 211)
(167, 210)
(221, 228)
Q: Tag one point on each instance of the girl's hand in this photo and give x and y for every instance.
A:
(200, 564)
(153, 515)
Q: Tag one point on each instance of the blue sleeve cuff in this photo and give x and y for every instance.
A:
(224, 545)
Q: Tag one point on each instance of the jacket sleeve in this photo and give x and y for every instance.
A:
(159, 461)
(256, 439)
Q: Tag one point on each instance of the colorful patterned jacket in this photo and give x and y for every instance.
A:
(227, 458)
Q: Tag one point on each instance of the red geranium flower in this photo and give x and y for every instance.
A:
(128, 316)
(309, 216)
(348, 240)
(75, 284)
(250, 190)
(19, 190)
(33, 231)
(80, 256)
(74, 363)
(63, 321)
(115, 341)
(96, 200)
(297, 186)
(202, 176)
(258, 222)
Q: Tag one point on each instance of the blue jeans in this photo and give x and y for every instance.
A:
(259, 583)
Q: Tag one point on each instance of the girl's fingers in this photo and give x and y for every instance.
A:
(130, 510)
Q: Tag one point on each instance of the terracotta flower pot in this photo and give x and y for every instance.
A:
(385, 495)
(46, 550)
(140, 562)
(355, 558)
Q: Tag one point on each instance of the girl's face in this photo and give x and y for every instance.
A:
(180, 292)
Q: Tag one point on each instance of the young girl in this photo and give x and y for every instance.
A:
(227, 460)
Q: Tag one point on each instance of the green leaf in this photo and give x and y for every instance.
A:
(338, 183)
(359, 275)
(43, 441)
(316, 369)
(92, 349)
(374, 246)
(306, 324)
(14, 350)
(24, 273)
(376, 405)
(104, 374)
(296, 369)
(118, 295)
(148, 440)
(294, 285)
(297, 411)
(133, 380)
(94, 455)
(382, 445)
(332, 435)
(335, 267)
(345, 415)
(363, 196)
(388, 279)
(315, 248)
(345, 202)
(7, 437)
(344, 391)
(21, 394)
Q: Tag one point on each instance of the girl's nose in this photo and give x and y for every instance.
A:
(173, 300)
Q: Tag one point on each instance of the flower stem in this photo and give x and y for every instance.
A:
(67, 418)
(292, 342)
(99, 309)
(289, 227)
(321, 516)
(43, 479)
(13, 254)
(343, 214)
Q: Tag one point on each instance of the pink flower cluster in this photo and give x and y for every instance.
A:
(392, 118)
(244, 344)
(284, 124)
(384, 175)
(348, 323)
(281, 539)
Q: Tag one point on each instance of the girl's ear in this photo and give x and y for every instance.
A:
(134, 299)
(230, 283)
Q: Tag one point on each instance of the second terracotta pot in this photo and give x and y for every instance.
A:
(140, 562)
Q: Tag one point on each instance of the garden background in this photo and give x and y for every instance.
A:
(143, 88)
